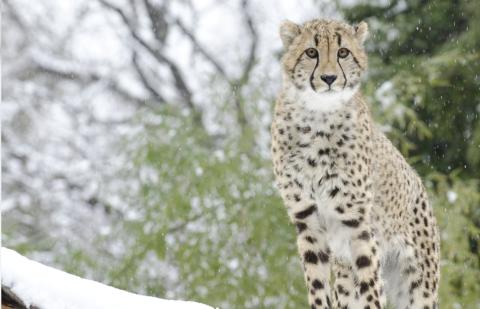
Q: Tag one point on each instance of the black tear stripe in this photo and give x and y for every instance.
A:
(313, 75)
(344, 76)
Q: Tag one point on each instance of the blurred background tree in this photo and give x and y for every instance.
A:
(136, 139)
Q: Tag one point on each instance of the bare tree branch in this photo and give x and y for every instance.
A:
(158, 21)
(179, 81)
(253, 45)
(146, 83)
(61, 68)
(247, 69)
(236, 84)
(202, 50)
(183, 224)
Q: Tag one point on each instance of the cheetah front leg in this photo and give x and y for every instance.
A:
(344, 287)
(313, 249)
(366, 267)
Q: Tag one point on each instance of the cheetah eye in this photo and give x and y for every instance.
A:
(343, 52)
(311, 52)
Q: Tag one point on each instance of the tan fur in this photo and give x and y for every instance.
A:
(355, 201)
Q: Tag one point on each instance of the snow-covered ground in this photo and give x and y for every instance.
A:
(46, 287)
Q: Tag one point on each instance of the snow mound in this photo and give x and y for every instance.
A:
(46, 287)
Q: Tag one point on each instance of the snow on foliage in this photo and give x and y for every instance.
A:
(46, 287)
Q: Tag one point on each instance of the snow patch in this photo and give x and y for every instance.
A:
(385, 94)
(47, 287)
(452, 196)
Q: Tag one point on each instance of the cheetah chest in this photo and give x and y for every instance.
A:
(317, 154)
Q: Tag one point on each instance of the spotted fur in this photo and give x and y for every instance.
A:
(360, 210)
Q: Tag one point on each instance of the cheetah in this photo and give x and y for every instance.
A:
(365, 229)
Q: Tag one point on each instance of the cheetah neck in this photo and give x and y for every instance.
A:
(321, 102)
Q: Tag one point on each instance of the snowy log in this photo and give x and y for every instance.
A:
(28, 284)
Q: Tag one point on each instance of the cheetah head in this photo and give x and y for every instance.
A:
(324, 60)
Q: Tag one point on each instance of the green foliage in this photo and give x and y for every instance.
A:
(434, 65)
(460, 239)
(214, 215)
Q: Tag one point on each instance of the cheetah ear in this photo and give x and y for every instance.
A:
(288, 31)
(361, 31)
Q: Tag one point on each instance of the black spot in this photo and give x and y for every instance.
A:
(334, 192)
(363, 287)
(323, 257)
(410, 270)
(363, 261)
(301, 227)
(310, 257)
(339, 210)
(377, 304)
(305, 213)
(351, 223)
(330, 176)
(318, 301)
(298, 183)
(310, 239)
(365, 235)
(312, 162)
(414, 285)
(316, 284)
(325, 151)
(297, 198)
(306, 129)
(369, 297)
(328, 302)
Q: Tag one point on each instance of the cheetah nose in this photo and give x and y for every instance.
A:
(329, 79)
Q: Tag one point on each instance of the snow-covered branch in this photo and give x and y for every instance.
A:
(28, 284)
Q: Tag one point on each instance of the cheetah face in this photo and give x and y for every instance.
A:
(324, 59)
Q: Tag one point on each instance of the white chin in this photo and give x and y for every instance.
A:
(326, 101)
